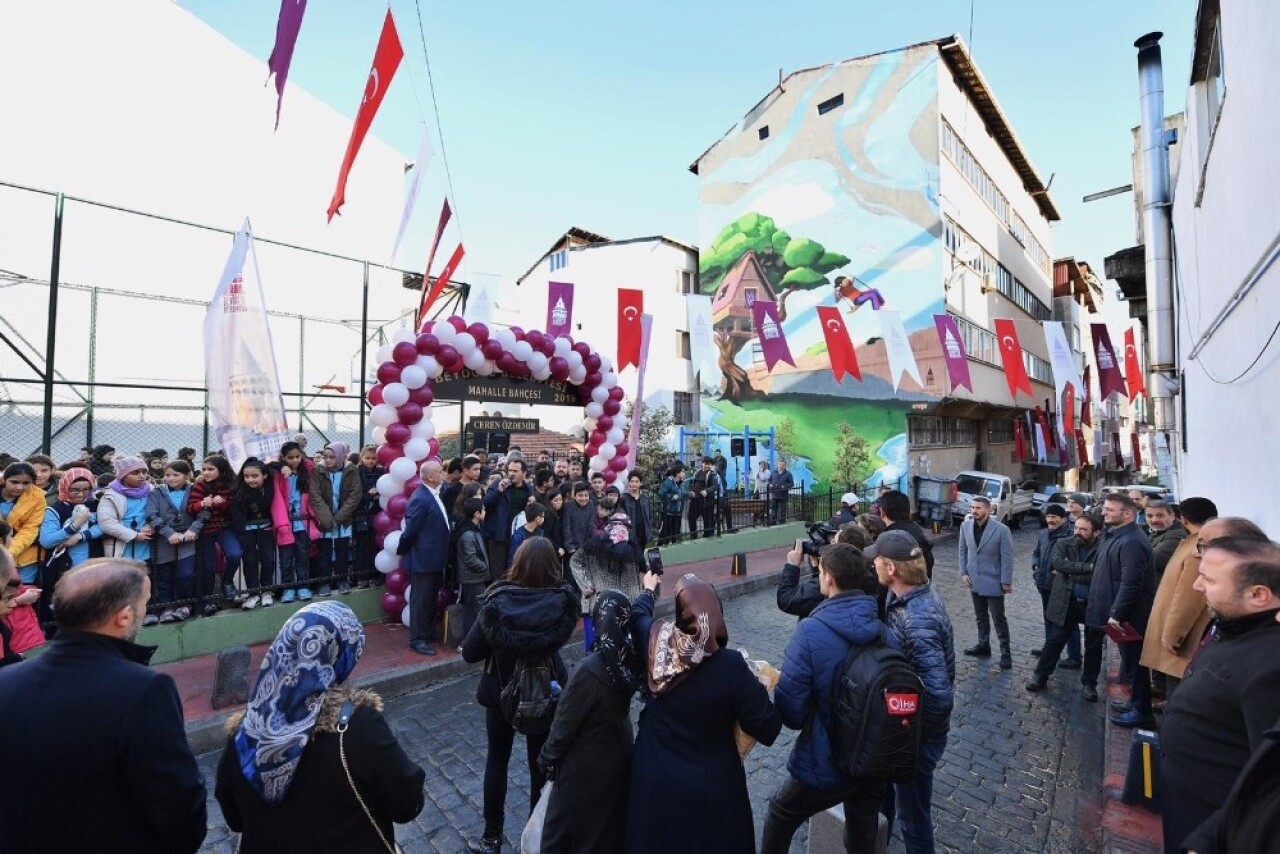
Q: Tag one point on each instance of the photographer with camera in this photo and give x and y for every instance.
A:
(799, 596)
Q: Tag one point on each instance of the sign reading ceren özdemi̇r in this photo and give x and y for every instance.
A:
(468, 385)
(503, 425)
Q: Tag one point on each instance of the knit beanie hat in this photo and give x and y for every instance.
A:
(126, 464)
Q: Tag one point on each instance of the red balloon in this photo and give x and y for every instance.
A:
(422, 396)
(392, 603)
(383, 523)
(616, 393)
(611, 407)
(397, 434)
(623, 449)
(534, 339)
(388, 372)
(404, 353)
(428, 344)
(379, 540)
(592, 380)
(397, 581)
(458, 324)
(592, 450)
(582, 349)
(456, 365)
(518, 332)
(492, 349)
(592, 363)
(548, 346)
(396, 505)
(387, 454)
(597, 435)
(434, 447)
(603, 423)
(447, 355)
(410, 413)
(559, 368)
(618, 463)
(479, 331)
(507, 363)
(375, 394)
(609, 475)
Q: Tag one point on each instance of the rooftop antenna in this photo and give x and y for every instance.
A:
(780, 81)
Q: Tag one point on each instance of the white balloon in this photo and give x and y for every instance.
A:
(621, 422)
(403, 469)
(395, 394)
(383, 500)
(505, 337)
(541, 374)
(577, 375)
(608, 379)
(589, 424)
(562, 346)
(404, 335)
(383, 415)
(464, 343)
(597, 463)
(608, 451)
(488, 369)
(430, 365)
(379, 435)
(522, 350)
(404, 612)
(474, 359)
(574, 358)
(606, 366)
(594, 410)
(599, 394)
(385, 561)
(424, 429)
(614, 436)
(416, 449)
(383, 354)
(391, 543)
(445, 332)
(389, 487)
(537, 361)
(413, 376)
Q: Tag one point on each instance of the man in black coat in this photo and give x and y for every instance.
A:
(895, 511)
(1230, 694)
(1055, 518)
(99, 734)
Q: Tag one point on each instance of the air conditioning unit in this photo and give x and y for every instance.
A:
(988, 284)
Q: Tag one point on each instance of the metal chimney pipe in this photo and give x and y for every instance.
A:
(1156, 233)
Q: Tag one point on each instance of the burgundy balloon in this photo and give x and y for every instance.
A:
(396, 505)
(618, 463)
(518, 332)
(375, 394)
(422, 396)
(434, 445)
(582, 349)
(623, 449)
(609, 475)
(388, 372)
(458, 324)
(427, 344)
(616, 393)
(598, 435)
(611, 407)
(397, 434)
(592, 380)
(506, 363)
(592, 363)
(404, 354)
(492, 349)
(397, 581)
(410, 413)
(559, 368)
(392, 604)
(479, 331)
(379, 540)
(604, 422)
(448, 355)
(383, 523)
(534, 339)
(387, 454)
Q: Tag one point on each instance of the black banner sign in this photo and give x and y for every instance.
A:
(468, 385)
(503, 425)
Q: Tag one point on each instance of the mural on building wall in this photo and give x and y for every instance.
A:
(834, 209)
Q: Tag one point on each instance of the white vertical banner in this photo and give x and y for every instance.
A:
(898, 348)
(480, 303)
(702, 349)
(633, 437)
(245, 404)
(414, 183)
(1061, 359)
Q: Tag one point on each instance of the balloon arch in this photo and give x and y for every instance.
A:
(406, 436)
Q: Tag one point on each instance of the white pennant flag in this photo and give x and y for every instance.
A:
(1061, 359)
(245, 403)
(480, 303)
(413, 185)
(898, 348)
(702, 349)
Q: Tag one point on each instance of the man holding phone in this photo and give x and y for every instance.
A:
(503, 501)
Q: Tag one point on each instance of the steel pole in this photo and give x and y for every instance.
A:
(55, 263)
(364, 348)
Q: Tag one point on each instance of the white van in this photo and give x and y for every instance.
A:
(1008, 503)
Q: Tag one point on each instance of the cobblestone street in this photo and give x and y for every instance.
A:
(1010, 781)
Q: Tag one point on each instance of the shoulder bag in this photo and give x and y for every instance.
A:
(344, 719)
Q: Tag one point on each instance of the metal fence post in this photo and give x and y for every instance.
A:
(302, 343)
(55, 263)
(364, 348)
(93, 363)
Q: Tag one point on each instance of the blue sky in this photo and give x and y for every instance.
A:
(561, 114)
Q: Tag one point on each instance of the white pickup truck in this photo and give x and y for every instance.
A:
(1009, 504)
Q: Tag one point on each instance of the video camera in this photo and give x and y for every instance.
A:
(820, 535)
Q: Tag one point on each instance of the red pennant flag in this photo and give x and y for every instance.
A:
(441, 282)
(446, 213)
(1082, 450)
(1047, 419)
(1086, 414)
(844, 360)
(1132, 367)
(1069, 411)
(1015, 369)
(287, 27)
(630, 307)
(1137, 451)
(386, 59)
(1116, 453)
(1019, 441)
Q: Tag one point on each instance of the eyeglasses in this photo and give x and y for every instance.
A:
(80, 490)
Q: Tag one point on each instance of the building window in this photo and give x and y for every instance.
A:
(925, 430)
(749, 296)
(1215, 89)
(682, 345)
(960, 244)
(685, 282)
(981, 346)
(763, 132)
(831, 104)
(999, 432)
(683, 401)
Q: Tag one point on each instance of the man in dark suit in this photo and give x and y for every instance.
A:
(425, 542)
(118, 778)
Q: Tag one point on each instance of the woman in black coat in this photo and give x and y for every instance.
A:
(685, 752)
(588, 751)
(530, 612)
(281, 779)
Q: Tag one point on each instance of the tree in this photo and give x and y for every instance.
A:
(784, 441)
(853, 457)
(651, 450)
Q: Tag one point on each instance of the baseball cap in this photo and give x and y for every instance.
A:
(894, 545)
(850, 498)
(1055, 510)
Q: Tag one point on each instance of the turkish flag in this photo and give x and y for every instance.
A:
(441, 282)
(1015, 369)
(1116, 453)
(630, 307)
(386, 59)
(1132, 367)
(1137, 451)
(1082, 450)
(1019, 441)
(1086, 415)
(446, 213)
(844, 360)
(1069, 411)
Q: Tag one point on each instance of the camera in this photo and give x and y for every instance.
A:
(653, 559)
(820, 535)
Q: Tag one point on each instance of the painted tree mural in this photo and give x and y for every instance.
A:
(786, 264)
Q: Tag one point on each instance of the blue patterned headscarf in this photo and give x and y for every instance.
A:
(317, 648)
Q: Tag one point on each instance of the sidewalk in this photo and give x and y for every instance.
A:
(390, 667)
(1125, 828)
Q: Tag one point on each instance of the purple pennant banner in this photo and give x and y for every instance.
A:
(953, 351)
(1109, 377)
(287, 27)
(559, 308)
(773, 343)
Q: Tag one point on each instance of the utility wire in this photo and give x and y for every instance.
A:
(435, 106)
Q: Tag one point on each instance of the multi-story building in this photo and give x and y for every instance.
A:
(905, 174)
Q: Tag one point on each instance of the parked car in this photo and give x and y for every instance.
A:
(1163, 493)
(1008, 503)
(1042, 494)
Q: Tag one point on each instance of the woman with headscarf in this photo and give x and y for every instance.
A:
(122, 511)
(588, 751)
(100, 459)
(69, 533)
(311, 765)
(685, 752)
(335, 498)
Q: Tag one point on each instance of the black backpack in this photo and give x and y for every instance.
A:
(529, 698)
(876, 714)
